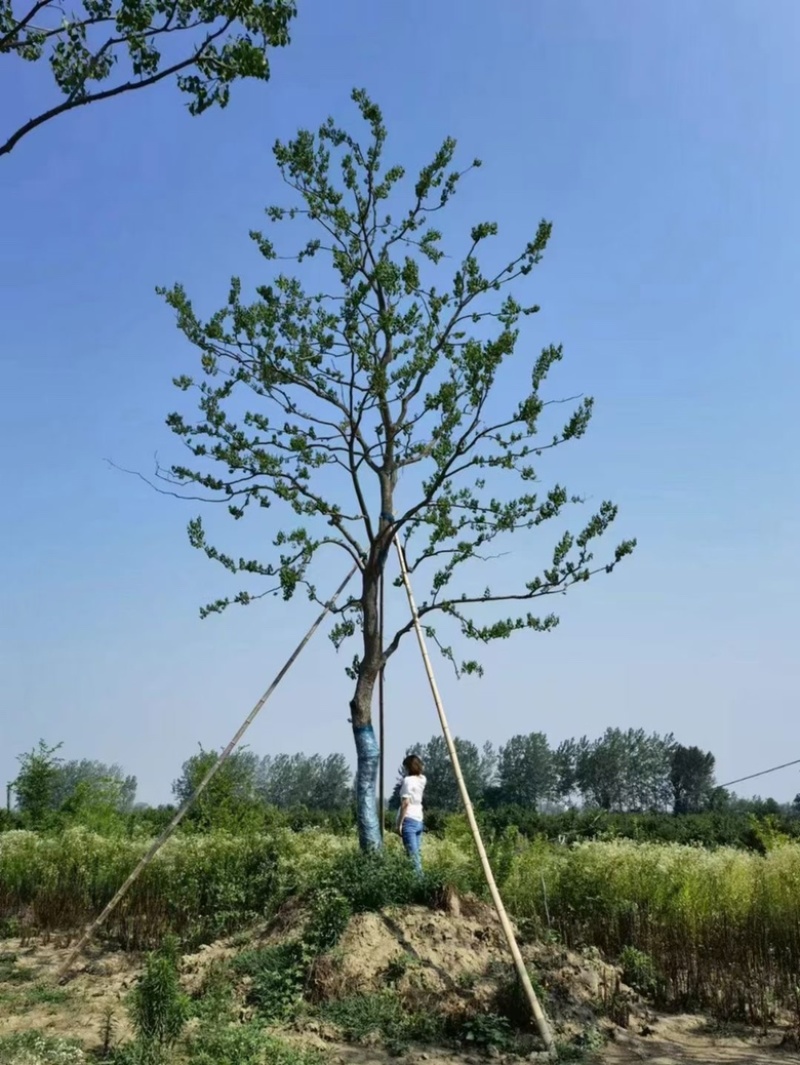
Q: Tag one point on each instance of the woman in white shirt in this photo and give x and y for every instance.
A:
(409, 821)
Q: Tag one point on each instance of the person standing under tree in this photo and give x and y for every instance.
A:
(409, 820)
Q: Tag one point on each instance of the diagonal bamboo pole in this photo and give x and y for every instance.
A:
(179, 816)
(536, 1009)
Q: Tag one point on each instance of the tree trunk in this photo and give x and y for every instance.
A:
(367, 755)
(367, 749)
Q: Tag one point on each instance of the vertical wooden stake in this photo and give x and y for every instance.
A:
(536, 1009)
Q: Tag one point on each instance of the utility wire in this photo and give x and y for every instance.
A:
(763, 773)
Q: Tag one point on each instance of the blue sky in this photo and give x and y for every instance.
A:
(663, 141)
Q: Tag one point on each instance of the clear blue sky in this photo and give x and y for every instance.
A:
(663, 140)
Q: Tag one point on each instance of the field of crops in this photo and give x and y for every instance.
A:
(714, 929)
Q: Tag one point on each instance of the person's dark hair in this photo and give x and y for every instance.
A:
(412, 764)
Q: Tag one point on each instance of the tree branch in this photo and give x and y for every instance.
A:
(107, 94)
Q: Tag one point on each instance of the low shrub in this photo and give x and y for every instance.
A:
(383, 1016)
(278, 975)
(159, 1009)
(244, 1044)
(639, 971)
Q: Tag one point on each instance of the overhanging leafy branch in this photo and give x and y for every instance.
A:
(209, 44)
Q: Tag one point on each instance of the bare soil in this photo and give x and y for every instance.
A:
(450, 961)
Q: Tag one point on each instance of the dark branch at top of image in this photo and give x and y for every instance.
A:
(108, 48)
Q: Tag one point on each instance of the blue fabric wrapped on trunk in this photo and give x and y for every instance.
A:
(368, 754)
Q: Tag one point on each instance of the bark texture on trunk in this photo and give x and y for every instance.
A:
(370, 836)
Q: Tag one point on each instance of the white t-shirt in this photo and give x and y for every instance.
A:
(413, 789)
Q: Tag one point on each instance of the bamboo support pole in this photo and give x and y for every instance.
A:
(179, 816)
(536, 1009)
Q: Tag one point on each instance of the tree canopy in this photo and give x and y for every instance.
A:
(363, 408)
(691, 777)
(47, 784)
(104, 48)
(291, 780)
(625, 770)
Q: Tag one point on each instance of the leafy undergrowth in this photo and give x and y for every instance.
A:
(721, 928)
(371, 956)
(368, 957)
(36, 1048)
(374, 957)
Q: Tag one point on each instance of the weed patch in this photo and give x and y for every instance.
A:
(245, 1044)
(277, 978)
(11, 972)
(639, 971)
(36, 1048)
(28, 996)
(384, 1018)
(486, 1031)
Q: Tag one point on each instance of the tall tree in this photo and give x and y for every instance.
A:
(316, 401)
(231, 794)
(565, 759)
(36, 783)
(107, 782)
(106, 48)
(692, 778)
(528, 774)
(625, 770)
(286, 780)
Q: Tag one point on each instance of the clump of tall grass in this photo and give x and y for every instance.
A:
(718, 929)
(197, 886)
(721, 927)
(37, 1048)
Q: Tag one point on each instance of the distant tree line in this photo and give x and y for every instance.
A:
(621, 771)
(85, 789)
(524, 782)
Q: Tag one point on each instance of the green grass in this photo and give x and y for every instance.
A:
(11, 972)
(25, 996)
(384, 1017)
(245, 1044)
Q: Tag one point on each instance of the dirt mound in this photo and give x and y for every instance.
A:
(457, 963)
(411, 948)
(450, 963)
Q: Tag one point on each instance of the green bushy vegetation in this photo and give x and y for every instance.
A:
(158, 1006)
(696, 927)
(731, 828)
(196, 887)
(36, 1048)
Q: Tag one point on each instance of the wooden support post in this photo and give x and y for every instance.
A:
(536, 1009)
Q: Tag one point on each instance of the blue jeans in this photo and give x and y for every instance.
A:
(412, 840)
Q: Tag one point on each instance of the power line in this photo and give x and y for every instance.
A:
(763, 773)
